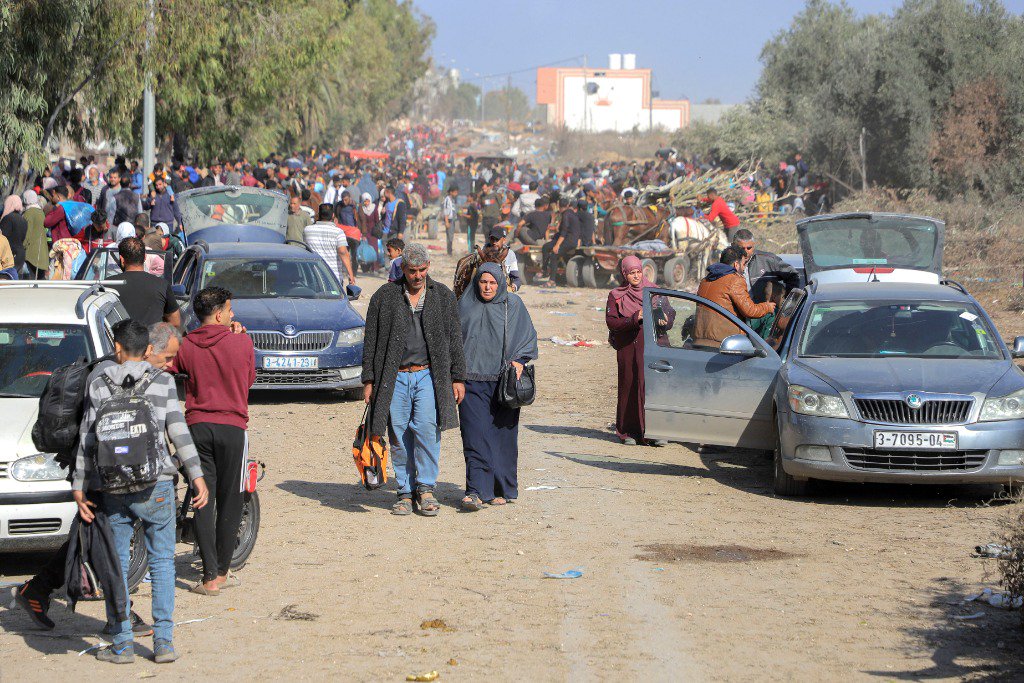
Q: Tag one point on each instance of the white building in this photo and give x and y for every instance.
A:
(615, 98)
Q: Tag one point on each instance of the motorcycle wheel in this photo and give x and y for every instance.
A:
(247, 531)
(138, 559)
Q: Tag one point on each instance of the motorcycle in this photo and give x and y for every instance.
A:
(248, 529)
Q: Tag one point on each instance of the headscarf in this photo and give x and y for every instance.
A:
(629, 298)
(124, 230)
(12, 204)
(368, 210)
(162, 227)
(30, 198)
(484, 328)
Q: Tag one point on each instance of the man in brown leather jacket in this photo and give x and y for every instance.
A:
(725, 286)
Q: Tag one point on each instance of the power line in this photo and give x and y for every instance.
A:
(529, 68)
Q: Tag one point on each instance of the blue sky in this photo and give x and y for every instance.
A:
(698, 49)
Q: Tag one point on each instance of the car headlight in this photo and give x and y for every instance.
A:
(803, 400)
(1009, 407)
(350, 337)
(38, 467)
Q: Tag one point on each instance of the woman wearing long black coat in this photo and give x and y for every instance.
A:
(496, 331)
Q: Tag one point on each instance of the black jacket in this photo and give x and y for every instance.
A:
(387, 325)
(765, 267)
(93, 544)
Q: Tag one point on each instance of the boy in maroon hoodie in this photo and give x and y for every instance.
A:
(220, 367)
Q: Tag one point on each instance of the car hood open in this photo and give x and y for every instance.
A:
(894, 375)
(302, 314)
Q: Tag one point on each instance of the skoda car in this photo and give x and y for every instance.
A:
(43, 326)
(306, 333)
(876, 371)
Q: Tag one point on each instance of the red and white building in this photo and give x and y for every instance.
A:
(615, 98)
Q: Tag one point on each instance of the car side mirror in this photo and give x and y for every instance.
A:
(738, 345)
(1018, 348)
(353, 291)
(179, 291)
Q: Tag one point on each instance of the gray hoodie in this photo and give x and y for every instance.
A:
(166, 409)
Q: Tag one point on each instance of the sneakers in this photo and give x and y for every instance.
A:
(124, 654)
(139, 627)
(35, 603)
(163, 652)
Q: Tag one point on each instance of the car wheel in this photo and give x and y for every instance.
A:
(785, 484)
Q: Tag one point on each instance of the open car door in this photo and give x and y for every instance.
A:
(701, 393)
(858, 247)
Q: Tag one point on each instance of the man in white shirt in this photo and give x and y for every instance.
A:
(525, 203)
(328, 241)
(333, 193)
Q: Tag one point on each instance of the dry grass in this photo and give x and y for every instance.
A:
(1011, 564)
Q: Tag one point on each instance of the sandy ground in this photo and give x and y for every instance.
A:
(692, 568)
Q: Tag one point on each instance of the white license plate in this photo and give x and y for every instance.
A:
(933, 441)
(290, 362)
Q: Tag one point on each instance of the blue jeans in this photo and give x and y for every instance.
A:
(416, 438)
(155, 508)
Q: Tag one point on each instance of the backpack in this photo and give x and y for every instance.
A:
(128, 454)
(60, 410)
(371, 455)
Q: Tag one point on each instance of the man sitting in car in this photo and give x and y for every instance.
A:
(725, 286)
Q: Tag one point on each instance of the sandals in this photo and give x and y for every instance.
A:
(497, 501)
(200, 589)
(402, 507)
(231, 581)
(428, 505)
(472, 503)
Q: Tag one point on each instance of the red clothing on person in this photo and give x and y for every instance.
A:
(57, 222)
(719, 209)
(221, 367)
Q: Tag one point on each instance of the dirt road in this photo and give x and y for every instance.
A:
(692, 568)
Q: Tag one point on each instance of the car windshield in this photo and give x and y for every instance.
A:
(271, 278)
(880, 329)
(865, 242)
(29, 353)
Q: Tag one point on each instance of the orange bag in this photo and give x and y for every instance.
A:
(371, 455)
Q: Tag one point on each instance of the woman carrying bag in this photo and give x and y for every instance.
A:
(499, 340)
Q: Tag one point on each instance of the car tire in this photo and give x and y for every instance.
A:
(572, 271)
(785, 484)
(248, 530)
(138, 558)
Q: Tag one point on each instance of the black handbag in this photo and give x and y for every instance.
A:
(515, 392)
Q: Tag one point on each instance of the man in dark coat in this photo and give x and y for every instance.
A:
(763, 267)
(413, 374)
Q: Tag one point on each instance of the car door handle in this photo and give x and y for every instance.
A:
(660, 366)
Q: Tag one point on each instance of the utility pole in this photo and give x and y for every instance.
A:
(508, 109)
(148, 109)
(483, 97)
(586, 98)
(863, 160)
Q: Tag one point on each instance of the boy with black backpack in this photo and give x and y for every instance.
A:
(123, 453)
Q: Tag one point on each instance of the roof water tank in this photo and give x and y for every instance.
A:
(615, 61)
(629, 61)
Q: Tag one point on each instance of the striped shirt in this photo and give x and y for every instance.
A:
(163, 395)
(324, 238)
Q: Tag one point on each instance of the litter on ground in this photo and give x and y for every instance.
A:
(571, 574)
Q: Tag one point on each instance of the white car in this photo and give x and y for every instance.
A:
(43, 326)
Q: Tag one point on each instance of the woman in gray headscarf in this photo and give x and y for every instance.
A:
(37, 245)
(496, 330)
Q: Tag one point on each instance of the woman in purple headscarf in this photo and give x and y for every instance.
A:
(624, 316)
